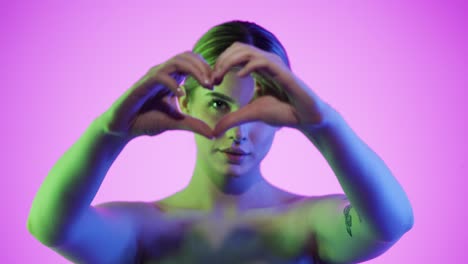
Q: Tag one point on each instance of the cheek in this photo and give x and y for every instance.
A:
(207, 116)
(262, 136)
(202, 142)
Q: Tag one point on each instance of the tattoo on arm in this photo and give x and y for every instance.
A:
(348, 218)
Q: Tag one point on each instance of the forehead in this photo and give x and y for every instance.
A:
(241, 90)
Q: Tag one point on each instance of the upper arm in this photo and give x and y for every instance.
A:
(105, 233)
(342, 236)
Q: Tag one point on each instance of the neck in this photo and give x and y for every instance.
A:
(211, 191)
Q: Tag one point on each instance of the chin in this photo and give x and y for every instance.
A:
(231, 172)
(237, 171)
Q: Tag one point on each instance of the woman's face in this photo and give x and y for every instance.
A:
(253, 138)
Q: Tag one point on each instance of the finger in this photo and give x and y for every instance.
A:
(222, 64)
(235, 60)
(165, 105)
(233, 48)
(259, 64)
(248, 113)
(178, 120)
(201, 63)
(192, 124)
(187, 66)
(144, 90)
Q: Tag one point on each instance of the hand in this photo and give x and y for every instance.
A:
(150, 106)
(304, 110)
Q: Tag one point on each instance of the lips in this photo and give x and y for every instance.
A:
(235, 156)
(235, 151)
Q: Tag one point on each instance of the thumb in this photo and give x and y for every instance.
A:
(248, 113)
(188, 123)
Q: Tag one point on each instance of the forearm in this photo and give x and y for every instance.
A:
(72, 183)
(367, 182)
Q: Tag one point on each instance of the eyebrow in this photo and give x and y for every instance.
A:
(221, 96)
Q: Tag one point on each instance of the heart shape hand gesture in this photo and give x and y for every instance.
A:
(304, 109)
(150, 106)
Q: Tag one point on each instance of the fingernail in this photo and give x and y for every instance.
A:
(207, 85)
(180, 92)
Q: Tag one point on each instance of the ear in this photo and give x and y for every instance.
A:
(184, 102)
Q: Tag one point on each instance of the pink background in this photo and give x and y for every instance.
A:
(397, 72)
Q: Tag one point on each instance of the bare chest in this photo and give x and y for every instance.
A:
(256, 239)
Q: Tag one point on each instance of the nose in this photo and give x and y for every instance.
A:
(238, 134)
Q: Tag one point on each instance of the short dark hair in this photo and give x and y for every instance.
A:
(220, 37)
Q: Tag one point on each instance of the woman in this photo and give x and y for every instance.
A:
(239, 90)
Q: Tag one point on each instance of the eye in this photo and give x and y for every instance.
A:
(219, 105)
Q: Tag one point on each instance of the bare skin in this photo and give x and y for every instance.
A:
(225, 235)
(228, 213)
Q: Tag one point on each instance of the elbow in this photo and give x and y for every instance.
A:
(408, 221)
(404, 228)
(400, 232)
(45, 238)
(398, 229)
(36, 232)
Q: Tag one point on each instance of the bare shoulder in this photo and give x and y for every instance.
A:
(141, 214)
(305, 207)
(302, 211)
(147, 220)
(136, 208)
(105, 233)
(297, 201)
(312, 200)
(137, 212)
(295, 224)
